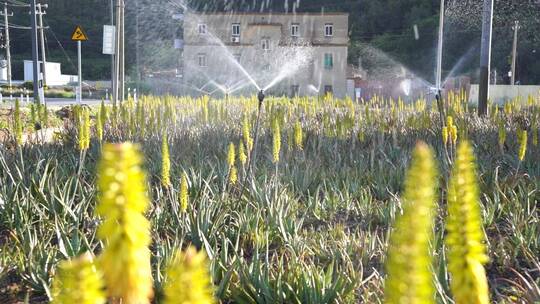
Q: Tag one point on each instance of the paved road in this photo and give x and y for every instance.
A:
(60, 102)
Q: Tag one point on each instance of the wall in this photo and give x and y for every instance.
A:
(54, 73)
(501, 93)
(266, 65)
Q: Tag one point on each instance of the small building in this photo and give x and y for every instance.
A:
(54, 73)
(290, 54)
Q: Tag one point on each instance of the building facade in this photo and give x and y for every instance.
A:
(286, 54)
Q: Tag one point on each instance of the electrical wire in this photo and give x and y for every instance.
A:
(15, 26)
(61, 47)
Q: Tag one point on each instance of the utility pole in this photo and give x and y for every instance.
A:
(79, 69)
(35, 58)
(438, 82)
(8, 44)
(42, 37)
(485, 57)
(113, 60)
(137, 55)
(119, 58)
(514, 54)
(122, 52)
(117, 53)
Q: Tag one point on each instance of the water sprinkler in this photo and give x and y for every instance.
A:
(253, 154)
(261, 97)
(438, 97)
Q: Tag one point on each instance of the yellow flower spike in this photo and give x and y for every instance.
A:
(248, 141)
(445, 135)
(298, 136)
(99, 128)
(502, 136)
(449, 121)
(231, 156)
(123, 200)
(103, 112)
(78, 281)
(165, 162)
(184, 193)
(231, 160)
(233, 175)
(408, 266)
(242, 157)
(465, 237)
(276, 140)
(17, 123)
(454, 134)
(188, 279)
(84, 129)
(522, 139)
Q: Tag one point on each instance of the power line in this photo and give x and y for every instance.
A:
(61, 47)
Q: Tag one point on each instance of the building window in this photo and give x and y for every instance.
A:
(202, 60)
(328, 61)
(202, 29)
(295, 30)
(265, 44)
(328, 89)
(329, 30)
(266, 67)
(236, 30)
(237, 57)
(295, 90)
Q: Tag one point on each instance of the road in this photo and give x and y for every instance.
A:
(59, 102)
(68, 101)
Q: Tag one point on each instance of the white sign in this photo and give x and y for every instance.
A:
(109, 32)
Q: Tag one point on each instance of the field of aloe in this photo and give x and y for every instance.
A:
(289, 201)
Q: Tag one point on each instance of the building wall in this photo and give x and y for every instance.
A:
(305, 54)
(500, 94)
(54, 73)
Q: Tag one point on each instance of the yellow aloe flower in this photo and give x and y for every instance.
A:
(248, 141)
(231, 156)
(408, 266)
(522, 139)
(17, 123)
(233, 175)
(99, 128)
(465, 238)
(298, 136)
(445, 135)
(242, 157)
(188, 279)
(502, 134)
(184, 193)
(454, 134)
(449, 121)
(276, 140)
(123, 200)
(78, 281)
(165, 162)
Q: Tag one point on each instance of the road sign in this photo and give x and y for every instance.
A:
(79, 34)
(108, 39)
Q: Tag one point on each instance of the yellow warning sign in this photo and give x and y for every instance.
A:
(79, 34)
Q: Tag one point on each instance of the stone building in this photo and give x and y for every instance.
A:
(289, 54)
